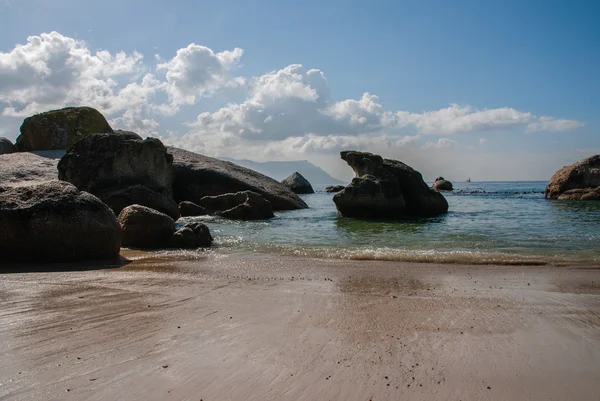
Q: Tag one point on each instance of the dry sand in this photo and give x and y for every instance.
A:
(267, 328)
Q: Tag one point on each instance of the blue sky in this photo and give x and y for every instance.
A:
(539, 59)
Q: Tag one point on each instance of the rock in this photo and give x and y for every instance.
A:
(118, 199)
(334, 188)
(244, 205)
(18, 169)
(6, 146)
(59, 129)
(197, 176)
(387, 189)
(442, 184)
(191, 236)
(187, 208)
(56, 222)
(298, 184)
(128, 134)
(578, 181)
(145, 228)
(122, 171)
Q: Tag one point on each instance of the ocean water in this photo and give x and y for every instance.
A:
(487, 223)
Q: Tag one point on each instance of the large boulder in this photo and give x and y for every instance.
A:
(59, 129)
(18, 169)
(298, 184)
(145, 228)
(56, 222)
(334, 188)
(441, 184)
(128, 134)
(187, 208)
(578, 181)
(122, 171)
(197, 176)
(6, 146)
(386, 189)
(191, 236)
(246, 205)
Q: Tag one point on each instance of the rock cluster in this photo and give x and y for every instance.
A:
(334, 188)
(386, 189)
(578, 181)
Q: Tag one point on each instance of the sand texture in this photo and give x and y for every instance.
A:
(267, 328)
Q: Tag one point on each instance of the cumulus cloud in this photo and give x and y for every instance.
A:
(196, 70)
(284, 113)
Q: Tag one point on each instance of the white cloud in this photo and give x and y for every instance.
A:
(196, 70)
(552, 124)
(482, 141)
(442, 143)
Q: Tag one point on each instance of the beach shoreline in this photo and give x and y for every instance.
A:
(270, 327)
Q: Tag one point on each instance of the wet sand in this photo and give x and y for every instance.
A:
(221, 327)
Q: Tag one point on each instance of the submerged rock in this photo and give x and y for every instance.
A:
(246, 205)
(191, 236)
(197, 176)
(56, 222)
(187, 208)
(122, 171)
(578, 181)
(334, 188)
(298, 184)
(442, 184)
(59, 129)
(145, 228)
(386, 188)
(6, 146)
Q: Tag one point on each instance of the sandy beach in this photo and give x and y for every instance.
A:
(224, 327)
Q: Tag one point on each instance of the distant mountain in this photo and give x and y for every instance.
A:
(280, 170)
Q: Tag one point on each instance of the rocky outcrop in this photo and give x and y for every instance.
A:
(122, 171)
(55, 222)
(6, 146)
(244, 205)
(145, 228)
(386, 189)
(18, 169)
(578, 181)
(442, 184)
(191, 236)
(197, 176)
(59, 129)
(298, 184)
(187, 209)
(334, 188)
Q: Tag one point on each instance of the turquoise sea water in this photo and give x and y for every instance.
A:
(487, 222)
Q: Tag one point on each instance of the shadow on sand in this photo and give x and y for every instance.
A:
(36, 267)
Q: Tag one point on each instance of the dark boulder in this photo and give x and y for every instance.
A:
(244, 205)
(122, 171)
(386, 189)
(191, 236)
(56, 222)
(59, 129)
(298, 184)
(145, 228)
(578, 181)
(197, 176)
(187, 208)
(6, 146)
(334, 188)
(442, 184)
